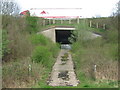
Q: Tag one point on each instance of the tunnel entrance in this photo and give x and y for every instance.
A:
(62, 36)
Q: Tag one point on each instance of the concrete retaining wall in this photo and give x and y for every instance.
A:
(50, 33)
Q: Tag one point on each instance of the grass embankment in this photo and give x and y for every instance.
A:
(101, 51)
(87, 52)
(28, 71)
(30, 57)
(27, 57)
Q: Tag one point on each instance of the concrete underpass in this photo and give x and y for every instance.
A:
(59, 34)
(63, 73)
(62, 36)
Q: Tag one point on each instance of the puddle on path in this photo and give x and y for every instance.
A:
(64, 75)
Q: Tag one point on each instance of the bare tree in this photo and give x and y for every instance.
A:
(119, 8)
(9, 7)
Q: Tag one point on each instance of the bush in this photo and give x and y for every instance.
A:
(42, 55)
(16, 74)
(15, 39)
(44, 41)
(53, 49)
(112, 36)
(100, 51)
(39, 39)
(5, 42)
(32, 25)
(111, 51)
(75, 46)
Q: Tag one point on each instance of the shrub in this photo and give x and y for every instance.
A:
(42, 55)
(112, 36)
(75, 46)
(32, 25)
(99, 51)
(54, 48)
(39, 39)
(5, 43)
(44, 41)
(16, 74)
(15, 39)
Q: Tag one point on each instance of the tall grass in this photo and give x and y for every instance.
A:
(42, 55)
(89, 52)
(45, 51)
(17, 74)
(17, 37)
(39, 40)
(25, 46)
(5, 42)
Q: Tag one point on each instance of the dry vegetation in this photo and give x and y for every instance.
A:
(22, 47)
(17, 39)
(102, 52)
(20, 52)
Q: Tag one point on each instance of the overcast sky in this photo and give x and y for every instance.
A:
(90, 8)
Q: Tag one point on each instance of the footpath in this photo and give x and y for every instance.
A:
(63, 73)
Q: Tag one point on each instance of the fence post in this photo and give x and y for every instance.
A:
(95, 71)
(95, 68)
(69, 21)
(53, 21)
(61, 21)
(29, 69)
(78, 20)
(49, 21)
(90, 23)
(44, 22)
(104, 26)
(97, 25)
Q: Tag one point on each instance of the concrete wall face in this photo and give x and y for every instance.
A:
(50, 33)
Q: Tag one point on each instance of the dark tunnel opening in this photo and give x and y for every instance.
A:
(62, 36)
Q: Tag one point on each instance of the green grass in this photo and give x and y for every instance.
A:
(97, 51)
(17, 74)
(84, 53)
(43, 55)
(84, 83)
